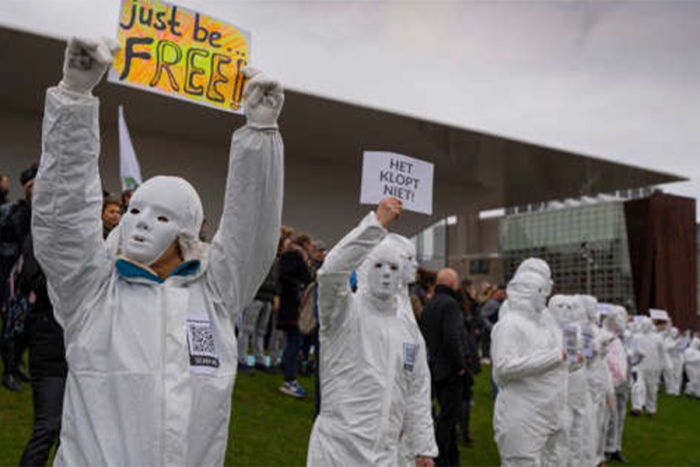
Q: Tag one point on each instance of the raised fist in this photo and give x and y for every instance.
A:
(264, 99)
(86, 61)
(388, 210)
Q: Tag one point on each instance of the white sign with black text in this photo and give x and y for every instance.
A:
(389, 174)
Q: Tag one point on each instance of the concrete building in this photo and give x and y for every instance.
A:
(324, 140)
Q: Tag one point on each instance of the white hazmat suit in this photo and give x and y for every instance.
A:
(600, 387)
(649, 370)
(529, 370)
(673, 375)
(692, 368)
(569, 315)
(409, 266)
(374, 371)
(638, 392)
(152, 361)
(618, 365)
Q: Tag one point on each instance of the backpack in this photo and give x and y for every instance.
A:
(17, 303)
(307, 310)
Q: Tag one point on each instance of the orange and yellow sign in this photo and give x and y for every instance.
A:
(180, 53)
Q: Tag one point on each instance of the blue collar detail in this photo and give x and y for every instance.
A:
(131, 270)
(187, 268)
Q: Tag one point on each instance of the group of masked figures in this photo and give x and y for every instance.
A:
(565, 373)
(148, 315)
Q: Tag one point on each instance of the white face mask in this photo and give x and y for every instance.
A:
(560, 309)
(539, 301)
(409, 267)
(383, 279)
(149, 227)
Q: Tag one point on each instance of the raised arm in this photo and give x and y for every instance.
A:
(67, 195)
(345, 257)
(244, 247)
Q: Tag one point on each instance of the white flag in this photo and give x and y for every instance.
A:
(129, 168)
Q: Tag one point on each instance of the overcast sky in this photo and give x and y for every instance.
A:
(614, 80)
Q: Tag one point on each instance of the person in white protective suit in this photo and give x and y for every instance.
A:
(651, 344)
(534, 265)
(409, 267)
(617, 361)
(673, 374)
(600, 386)
(374, 378)
(569, 316)
(150, 334)
(530, 370)
(692, 368)
(638, 392)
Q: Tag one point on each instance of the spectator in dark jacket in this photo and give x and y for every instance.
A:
(421, 291)
(471, 358)
(295, 273)
(47, 362)
(13, 233)
(111, 214)
(489, 316)
(445, 336)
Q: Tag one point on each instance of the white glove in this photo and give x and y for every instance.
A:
(86, 61)
(264, 98)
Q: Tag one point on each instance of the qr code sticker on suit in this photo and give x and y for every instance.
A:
(409, 356)
(201, 343)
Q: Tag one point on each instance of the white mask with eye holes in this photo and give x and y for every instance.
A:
(161, 210)
(381, 271)
(409, 264)
(383, 279)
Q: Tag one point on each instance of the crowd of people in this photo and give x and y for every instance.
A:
(566, 369)
(135, 322)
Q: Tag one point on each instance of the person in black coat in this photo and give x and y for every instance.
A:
(445, 336)
(13, 232)
(47, 361)
(295, 273)
(471, 357)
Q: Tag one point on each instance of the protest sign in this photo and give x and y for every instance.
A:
(588, 337)
(571, 342)
(604, 309)
(181, 53)
(389, 174)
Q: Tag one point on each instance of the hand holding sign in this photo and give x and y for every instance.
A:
(588, 341)
(181, 53)
(388, 210)
(389, 174)
(264, 98)
(571, 343)
(85, 63)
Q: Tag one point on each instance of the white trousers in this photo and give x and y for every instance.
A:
(253, 328)
(616, 419)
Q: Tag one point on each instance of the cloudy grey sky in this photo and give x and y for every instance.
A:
(615, 80)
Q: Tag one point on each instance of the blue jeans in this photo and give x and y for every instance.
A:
(291, 351)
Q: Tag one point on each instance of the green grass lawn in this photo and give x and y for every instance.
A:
(269, 428)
